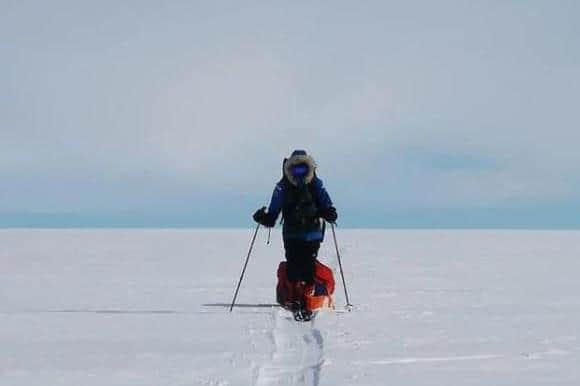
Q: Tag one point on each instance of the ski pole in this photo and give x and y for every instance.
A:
(244, 269)
(348, 305)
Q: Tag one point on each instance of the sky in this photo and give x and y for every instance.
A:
(420, 114)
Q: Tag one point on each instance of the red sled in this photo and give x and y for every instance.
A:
(314, 296)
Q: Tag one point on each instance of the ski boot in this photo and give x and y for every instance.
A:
(301, 314)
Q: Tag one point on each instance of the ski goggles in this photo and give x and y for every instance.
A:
(299, 170)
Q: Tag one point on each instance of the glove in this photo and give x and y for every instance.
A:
(329, 214)
(264, 218)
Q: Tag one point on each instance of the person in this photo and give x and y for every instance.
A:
(303, 201)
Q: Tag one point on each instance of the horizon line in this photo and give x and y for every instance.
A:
(394, 228)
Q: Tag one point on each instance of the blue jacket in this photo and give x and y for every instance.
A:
(322, 199)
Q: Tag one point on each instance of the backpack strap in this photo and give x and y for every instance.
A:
(283, 181)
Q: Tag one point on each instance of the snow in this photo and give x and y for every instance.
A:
(150, 307)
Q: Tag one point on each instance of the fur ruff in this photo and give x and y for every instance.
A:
(300, 159)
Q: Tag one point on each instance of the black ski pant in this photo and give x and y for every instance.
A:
(301, 256)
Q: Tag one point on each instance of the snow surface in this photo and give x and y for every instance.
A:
(135, 307)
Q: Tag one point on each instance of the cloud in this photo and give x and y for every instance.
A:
(449, 106)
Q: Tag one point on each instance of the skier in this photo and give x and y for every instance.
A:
(303, 201)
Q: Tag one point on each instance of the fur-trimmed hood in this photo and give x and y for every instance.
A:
(299, 157)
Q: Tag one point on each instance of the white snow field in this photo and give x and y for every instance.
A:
(150, 307)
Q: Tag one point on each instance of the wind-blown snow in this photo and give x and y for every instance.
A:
(134, 307)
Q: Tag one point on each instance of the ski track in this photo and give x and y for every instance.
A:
(406, 361)
(421, 360)
(298, 353)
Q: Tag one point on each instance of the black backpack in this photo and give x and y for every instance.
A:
(299, 209)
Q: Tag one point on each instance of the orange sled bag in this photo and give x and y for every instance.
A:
(315, 296)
